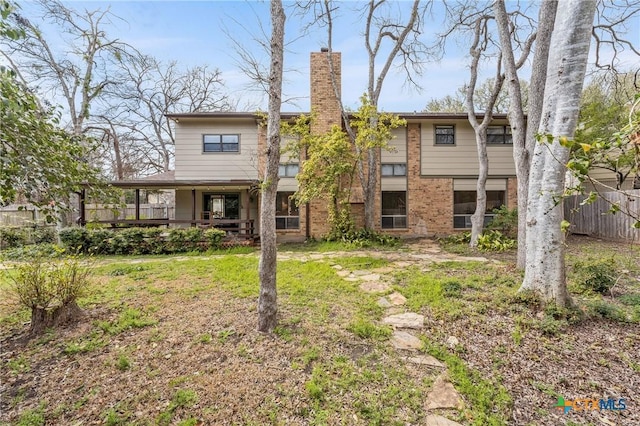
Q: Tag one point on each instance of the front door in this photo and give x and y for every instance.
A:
(221, 206)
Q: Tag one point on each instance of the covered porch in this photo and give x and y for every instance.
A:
(230, 205)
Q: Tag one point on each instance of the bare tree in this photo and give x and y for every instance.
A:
(381, 27)
(482, 96)
(568, 55)
(148, 90)
(267, 302)
(477, 19)
(524, 137)
(81, 73)
(479, 45)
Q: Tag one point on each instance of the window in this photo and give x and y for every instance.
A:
(399, 169)
(445, 135)
(499, 135)
(288, 170)
(287, 213)
(221, 143)
(394, 209)
(464, 205)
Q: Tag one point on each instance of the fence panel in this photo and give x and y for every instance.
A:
(17, 217)
(593, 219)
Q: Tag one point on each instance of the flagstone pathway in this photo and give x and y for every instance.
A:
(442, 394)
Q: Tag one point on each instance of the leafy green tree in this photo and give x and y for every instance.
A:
(38, 160)
(331, 160)
(603, 138)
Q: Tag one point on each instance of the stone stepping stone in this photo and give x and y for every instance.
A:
(370, 277)
(383, 270)
(405, 320)
(343, 273)
(374, 287)
(402, 264)
(384, 303)
(405, 340)
(397, 299)
(424, 360)
(443, 395)
(435, 420)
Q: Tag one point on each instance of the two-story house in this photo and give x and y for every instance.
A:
(426, 183)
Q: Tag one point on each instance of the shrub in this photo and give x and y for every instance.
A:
(45, 251)
(363, 238)
(100, 241)
(495, 241)
(506, 221)
(50, 289)
(43, 235)
(214, 237)
(596, 275)
(76, 239)
(12, 237)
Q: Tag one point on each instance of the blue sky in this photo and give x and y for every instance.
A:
(193, 33)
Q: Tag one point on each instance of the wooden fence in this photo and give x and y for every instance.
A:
(14, 217)
(595, 220)
(30, 215)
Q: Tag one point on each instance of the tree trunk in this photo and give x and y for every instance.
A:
(267, 302)
(477, 219)
(523, 154)
(369, 187)
(545, 267)
(42, 319)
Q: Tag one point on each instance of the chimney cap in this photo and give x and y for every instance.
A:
(324, 49)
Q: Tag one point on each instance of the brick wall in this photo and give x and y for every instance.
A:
(429, 200)
(326, 106)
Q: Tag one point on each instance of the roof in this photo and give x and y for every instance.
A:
(167, 180)
(254, 115)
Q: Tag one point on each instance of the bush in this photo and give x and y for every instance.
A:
(43, 235)
(76, 239)
(50, 289)
(506, 221)
(140, 241)
(12, 237)
(598, 275)
(363, 238)
(45, 251)
(214, 237)
(495, 241)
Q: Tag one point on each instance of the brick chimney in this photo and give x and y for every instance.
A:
(323, 99)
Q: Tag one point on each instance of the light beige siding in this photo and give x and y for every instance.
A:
(193, 163)
(287, 184)
(471, 184)
(462, 158)
(393, 183)
(398, 145)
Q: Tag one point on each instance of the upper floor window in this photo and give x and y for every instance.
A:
(499, 135)
(445, 135)
(288, 170)
(221, 143)
(398, 169)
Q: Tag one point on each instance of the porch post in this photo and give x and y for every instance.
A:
(137, 203)
(248, 212)
(193, 207)
(83, 200)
